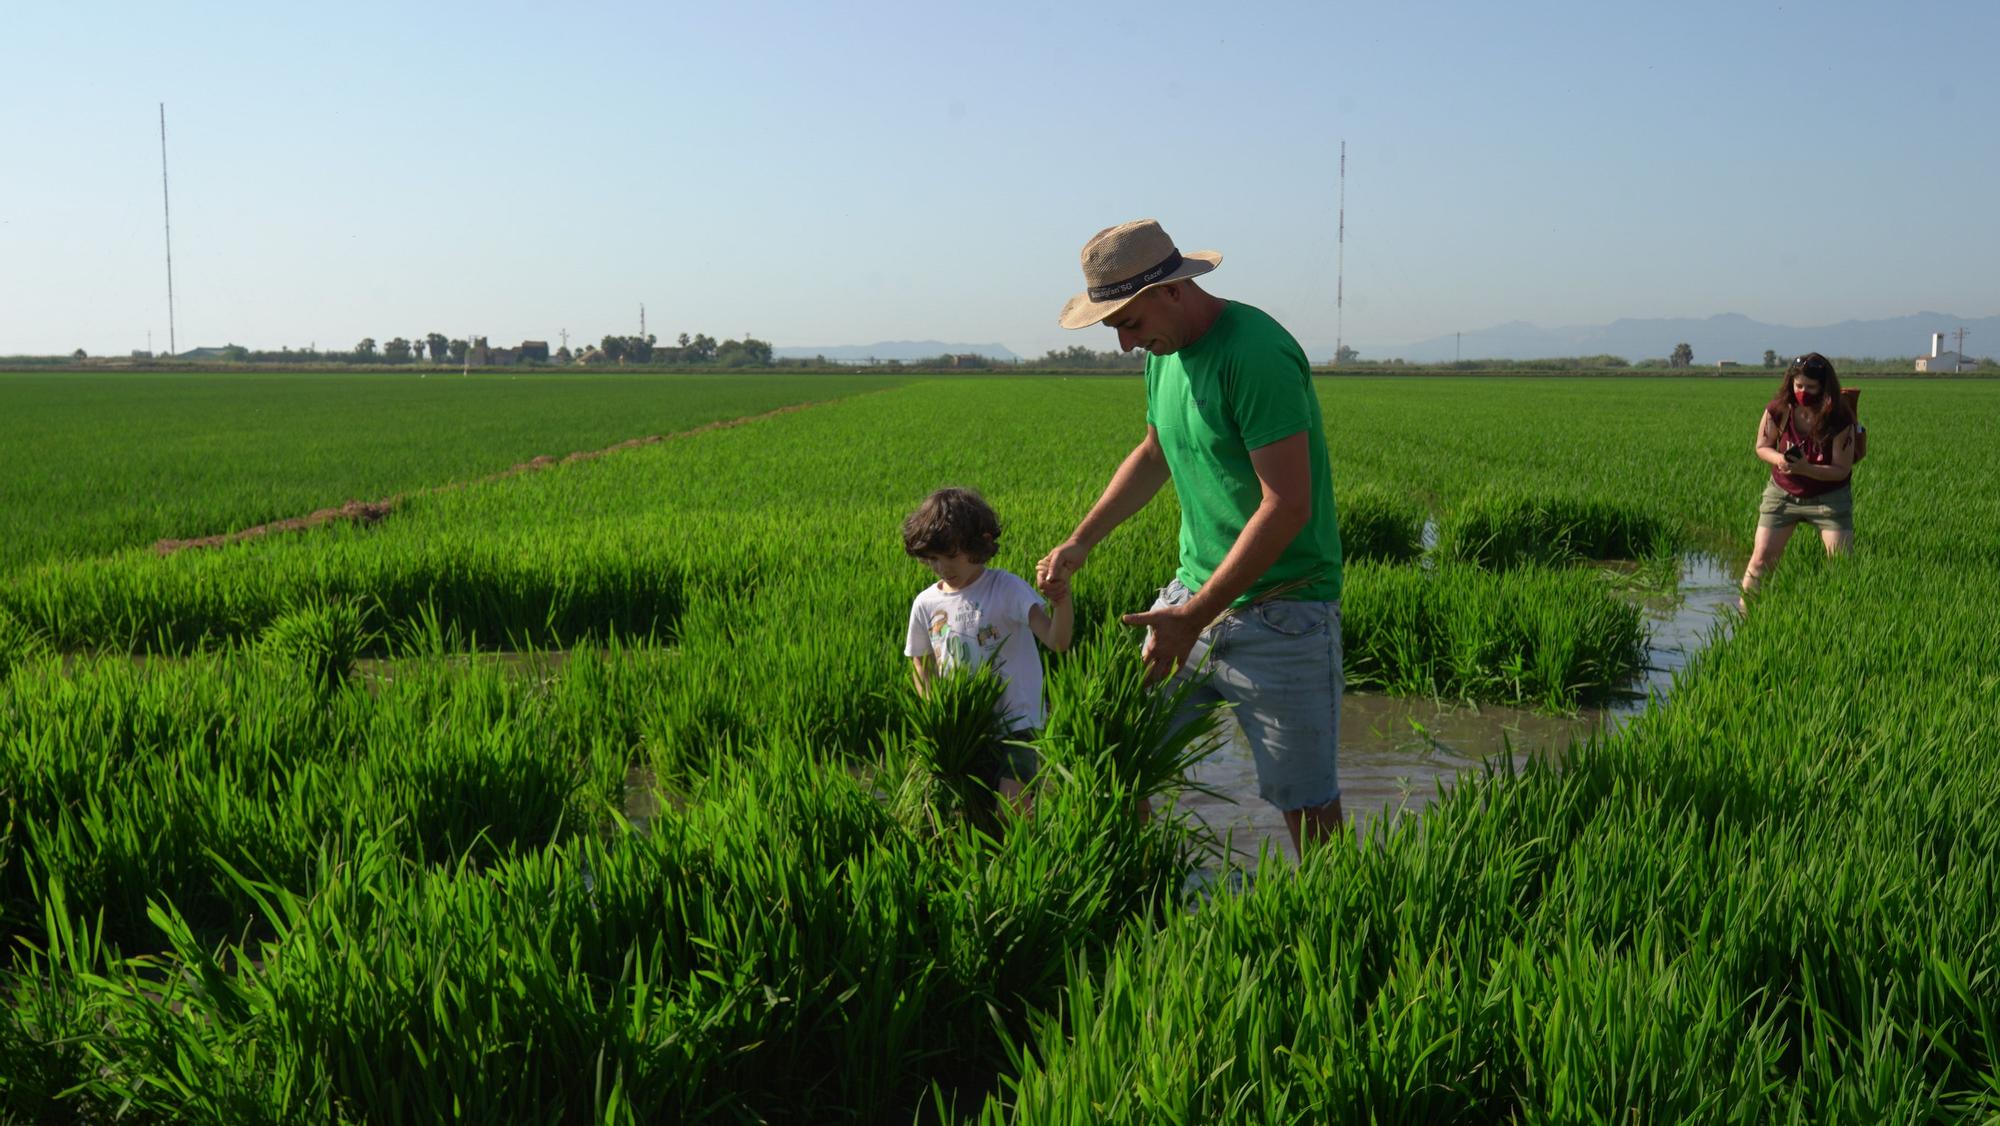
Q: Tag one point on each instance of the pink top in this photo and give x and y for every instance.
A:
(1816, 454)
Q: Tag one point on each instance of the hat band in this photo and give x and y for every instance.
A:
(1119, 289)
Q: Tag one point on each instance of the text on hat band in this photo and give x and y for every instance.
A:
(1104, 292)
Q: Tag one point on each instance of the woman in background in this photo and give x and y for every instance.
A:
(1806, 435)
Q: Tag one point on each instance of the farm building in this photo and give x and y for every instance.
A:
(1942, 360)
(530, 352)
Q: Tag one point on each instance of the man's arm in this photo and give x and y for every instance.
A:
(1138, 478)
(923, 670)
(1284, 471)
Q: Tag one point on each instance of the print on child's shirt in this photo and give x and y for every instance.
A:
(951, 646)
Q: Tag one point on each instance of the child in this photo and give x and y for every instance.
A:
(974, 614)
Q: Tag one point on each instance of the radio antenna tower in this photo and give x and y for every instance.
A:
(167, 214)
(1340, 269)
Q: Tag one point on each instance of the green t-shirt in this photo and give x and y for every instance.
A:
(1243, 385)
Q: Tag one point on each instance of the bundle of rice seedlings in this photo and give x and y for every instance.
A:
(1139, 735)
(322, 638)
(956, 733)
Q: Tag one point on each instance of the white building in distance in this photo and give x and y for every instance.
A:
(1941, 360)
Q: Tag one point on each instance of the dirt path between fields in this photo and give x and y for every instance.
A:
(369, 512)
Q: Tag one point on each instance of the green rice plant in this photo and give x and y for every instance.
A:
(1140, 738)
(1552, 639)
(125, 778)
(776, 948)
(321, 639)
(1502, 530)
(18, 643)
(955, 731)
(51, 1023)
(1378, 524)
(92, 474)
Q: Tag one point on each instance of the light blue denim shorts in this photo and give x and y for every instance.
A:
(1276, 665)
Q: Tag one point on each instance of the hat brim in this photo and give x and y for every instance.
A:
(1081, 312)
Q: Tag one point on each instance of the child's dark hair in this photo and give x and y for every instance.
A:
(953, 521)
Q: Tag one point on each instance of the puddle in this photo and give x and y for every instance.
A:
(1396, 751)
(642, 798)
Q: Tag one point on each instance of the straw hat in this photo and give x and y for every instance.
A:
(1121, 262)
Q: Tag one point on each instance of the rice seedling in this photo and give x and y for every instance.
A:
(1553, 639)
(1510, 530)
(956, 733)
(320, 639)
(1135, 736)
(1380, 525)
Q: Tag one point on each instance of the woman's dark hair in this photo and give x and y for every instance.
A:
(1835, 417)
(953, 521)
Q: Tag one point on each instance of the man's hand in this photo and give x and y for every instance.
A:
(1054, 590)
(1053, 572)
(1171, 634)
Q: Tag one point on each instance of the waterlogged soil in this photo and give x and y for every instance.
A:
(1397, 754)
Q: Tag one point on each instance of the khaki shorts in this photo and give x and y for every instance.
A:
(1829, 512)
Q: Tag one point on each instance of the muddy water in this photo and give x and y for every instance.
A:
(1397, 752)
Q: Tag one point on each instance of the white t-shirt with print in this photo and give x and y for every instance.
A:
(986, 621)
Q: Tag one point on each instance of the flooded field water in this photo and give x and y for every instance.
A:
(1396, 751)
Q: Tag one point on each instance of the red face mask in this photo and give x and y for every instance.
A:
(1805, 399)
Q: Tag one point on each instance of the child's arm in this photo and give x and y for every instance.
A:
(1054, 625)
(923, 670)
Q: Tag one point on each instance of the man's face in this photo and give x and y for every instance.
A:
(1150, 321)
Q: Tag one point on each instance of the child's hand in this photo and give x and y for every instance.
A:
(1052, 588)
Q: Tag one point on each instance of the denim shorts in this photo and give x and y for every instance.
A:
(1276, 665)
(1831, 511)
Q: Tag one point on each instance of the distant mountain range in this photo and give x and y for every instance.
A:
(1726, 336)
(905, 350)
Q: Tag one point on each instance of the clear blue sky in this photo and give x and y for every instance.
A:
(846, 173)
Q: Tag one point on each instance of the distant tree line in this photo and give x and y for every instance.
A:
(436, 348)
(701, 351)
(696, 350)
(1076, 357)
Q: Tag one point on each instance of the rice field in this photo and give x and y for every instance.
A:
(598, 793)
(95, 462)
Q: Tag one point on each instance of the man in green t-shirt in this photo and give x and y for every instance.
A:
(1233, 421)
